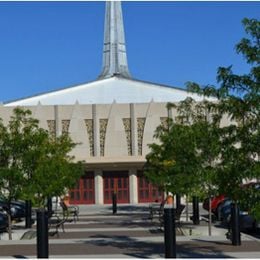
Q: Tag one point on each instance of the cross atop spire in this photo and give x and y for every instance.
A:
(114, 50)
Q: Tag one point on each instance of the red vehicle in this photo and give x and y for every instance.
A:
(215, 204)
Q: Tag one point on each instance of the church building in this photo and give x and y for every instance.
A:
(113, 118)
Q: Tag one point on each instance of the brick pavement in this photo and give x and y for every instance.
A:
(125, 236)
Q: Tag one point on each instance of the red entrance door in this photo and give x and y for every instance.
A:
(84, 191)
(148, 192)
(116, 182)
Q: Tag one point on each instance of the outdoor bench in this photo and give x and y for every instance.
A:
(70, 210)
(56, 222)
(155, 210)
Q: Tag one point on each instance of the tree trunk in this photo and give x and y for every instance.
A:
(28, 214)
(210, 215)
(9, 225)
(187, 208)
(178, 200)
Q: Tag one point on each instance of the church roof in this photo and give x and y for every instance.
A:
(115, 83)
(106, 91)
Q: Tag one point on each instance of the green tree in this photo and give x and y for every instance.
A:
(53, 170)
(238, 97)
(174, 162)
(188, 148)
(34, 165)
(12, 149)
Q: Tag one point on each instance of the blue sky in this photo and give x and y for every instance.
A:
(50, 45)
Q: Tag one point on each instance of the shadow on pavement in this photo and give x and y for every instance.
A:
(131, 208)
(134, 248)
(129, 246)
(188, 251)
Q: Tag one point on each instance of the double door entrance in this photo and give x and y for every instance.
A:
(84, 191)
(117, 182)
(148, 192)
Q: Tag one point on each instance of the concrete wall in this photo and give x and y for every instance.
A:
(129, 128)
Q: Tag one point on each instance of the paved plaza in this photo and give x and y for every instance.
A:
(128, 234)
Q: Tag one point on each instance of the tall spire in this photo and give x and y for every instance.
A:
(114, 50)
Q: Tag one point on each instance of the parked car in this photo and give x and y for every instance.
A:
(3, 222)
(225, 211)
(246, 221)
(17, 208)
(221, 207)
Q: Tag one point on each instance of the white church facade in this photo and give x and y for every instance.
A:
(113, 118)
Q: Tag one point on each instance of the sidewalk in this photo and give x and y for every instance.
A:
(130, 234)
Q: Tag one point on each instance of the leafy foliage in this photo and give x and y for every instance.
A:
(238, 97)
(191, 143)
(206, 151)
(33, 165)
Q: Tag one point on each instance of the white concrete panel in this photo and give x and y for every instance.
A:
(151, 123)
(105, 91)
(41, 115)
(115, 142)
(79, 135)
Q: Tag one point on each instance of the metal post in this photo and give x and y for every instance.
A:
(49, 207)
(196, 213)
(187, 208)
(178, 200)
(114, 200)
(210, 216)
(235, 229)
(42, 234)
(28, 214)
(169, 232)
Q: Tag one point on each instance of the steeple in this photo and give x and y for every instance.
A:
(114, 50)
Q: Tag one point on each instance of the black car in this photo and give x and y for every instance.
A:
(17, 208)
(3, 222)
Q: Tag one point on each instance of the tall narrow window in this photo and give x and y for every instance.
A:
(90, 130)
(127, 125)
(65, 126)
(140, 133)
(52, 127)
(164, 122)
(102, 135)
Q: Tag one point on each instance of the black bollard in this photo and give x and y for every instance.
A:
(28, 214)
(196, 213)
(235, 229)
(178, 200)
(169, 232)
(49, 207)
(42, 234)
(114, 200)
